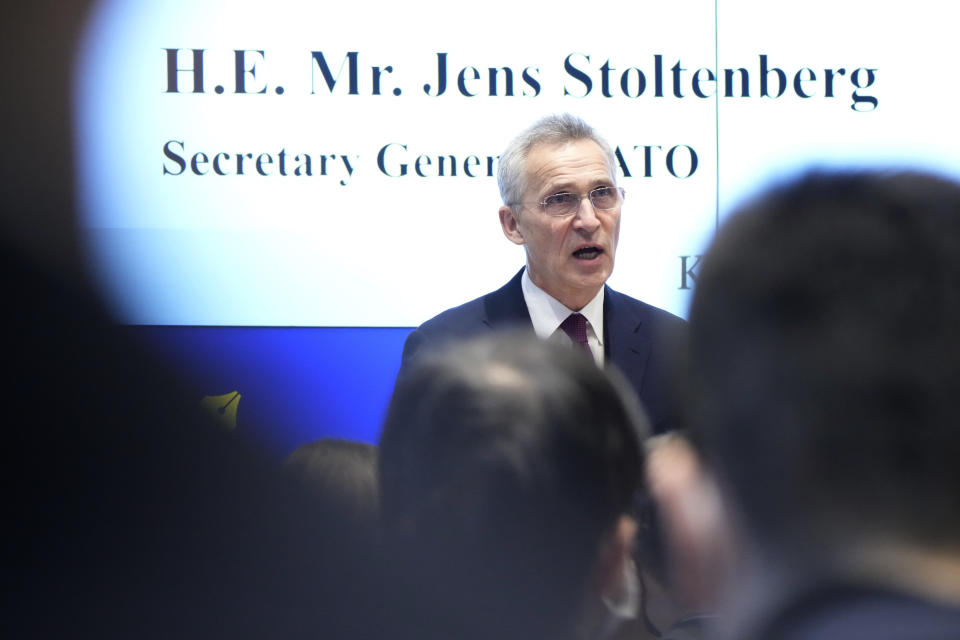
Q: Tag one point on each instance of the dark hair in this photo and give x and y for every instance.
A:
(825, 359)
(342, 476)
(503, 462)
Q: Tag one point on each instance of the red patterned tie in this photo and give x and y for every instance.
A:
(575, 326)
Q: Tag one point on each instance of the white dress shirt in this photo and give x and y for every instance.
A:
(547, 313)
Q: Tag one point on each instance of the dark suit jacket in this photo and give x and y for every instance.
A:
(849, 612)
(639, 339)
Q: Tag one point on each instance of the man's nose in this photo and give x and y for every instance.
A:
(586, 216)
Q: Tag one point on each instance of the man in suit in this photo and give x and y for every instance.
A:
(822, 496)
(561, 202)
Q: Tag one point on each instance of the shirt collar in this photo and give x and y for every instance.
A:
(547, 312)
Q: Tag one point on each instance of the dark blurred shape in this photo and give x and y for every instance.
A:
(827, 349)
(127, 513)
(508, 468)
(340, 480)
(342, 476)
(825, 378)
(37, 41)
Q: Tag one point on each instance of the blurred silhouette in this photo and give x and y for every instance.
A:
(128, 514)
(340, 478)
(508, 470)
(822, 499)
(342, 475)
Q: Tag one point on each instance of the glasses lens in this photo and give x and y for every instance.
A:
(605, 197)
(561, 204)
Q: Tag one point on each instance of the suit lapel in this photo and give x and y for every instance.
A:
(626, 336)
(506, 308)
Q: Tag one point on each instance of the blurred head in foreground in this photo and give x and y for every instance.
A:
(824, 371)
(508, 468)
(128, 514)
(342, 477)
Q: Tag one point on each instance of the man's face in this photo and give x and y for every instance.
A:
(569, 257)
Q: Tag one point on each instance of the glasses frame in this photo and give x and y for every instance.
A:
(588, 195)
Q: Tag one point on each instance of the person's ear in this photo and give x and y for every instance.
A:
(696, 531)
(510, 223)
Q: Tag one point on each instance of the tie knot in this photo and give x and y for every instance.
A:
(575, 326)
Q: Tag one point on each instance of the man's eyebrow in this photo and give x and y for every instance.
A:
(568, 184)
(560, 189)
(563, 186)
(567, 187)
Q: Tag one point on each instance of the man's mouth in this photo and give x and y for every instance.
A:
(587, 253)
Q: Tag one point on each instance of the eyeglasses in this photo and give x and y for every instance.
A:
(565, 204)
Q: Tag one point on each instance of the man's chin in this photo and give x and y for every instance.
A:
(584, 288)
(593, 273)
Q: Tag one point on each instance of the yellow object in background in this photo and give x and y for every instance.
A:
(223, 408)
